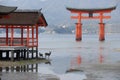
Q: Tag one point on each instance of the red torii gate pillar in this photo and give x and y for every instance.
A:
(100, 15)
(102, 31)
(78, 28)
(78, 31)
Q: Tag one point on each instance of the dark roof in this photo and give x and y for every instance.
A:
(6, 9)
(90, 9)
(24, 17)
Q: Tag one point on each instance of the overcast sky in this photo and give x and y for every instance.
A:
(73, 3)
(55, 10)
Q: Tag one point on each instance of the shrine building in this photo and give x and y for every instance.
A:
(27, 22)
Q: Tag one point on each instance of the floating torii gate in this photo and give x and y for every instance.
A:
(89, 14)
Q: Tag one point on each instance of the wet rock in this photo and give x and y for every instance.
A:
(74, 70)
(49, 77)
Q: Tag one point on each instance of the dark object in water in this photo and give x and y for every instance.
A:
(48, 62)
(74, 70)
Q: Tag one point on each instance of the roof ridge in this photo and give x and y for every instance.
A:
(28, 10)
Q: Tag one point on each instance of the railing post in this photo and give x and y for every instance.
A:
(21, 35)
(12, 55)
(33, 36)
(12, 35)
(27, 35)
(6, 35)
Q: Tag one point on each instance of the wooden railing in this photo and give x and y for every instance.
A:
(18, 42)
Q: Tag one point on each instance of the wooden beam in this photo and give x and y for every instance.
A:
(106, 17)
(9, 26)
(43, 22)
(94, 17)
(83, 11)
(12, 55)
(74, 17)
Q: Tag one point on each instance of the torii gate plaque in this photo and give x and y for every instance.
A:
(100, 15)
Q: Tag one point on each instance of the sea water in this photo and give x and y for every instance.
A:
(65, 49)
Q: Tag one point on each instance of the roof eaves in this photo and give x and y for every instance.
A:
(4, 10)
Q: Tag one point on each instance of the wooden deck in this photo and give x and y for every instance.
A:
(12, 47)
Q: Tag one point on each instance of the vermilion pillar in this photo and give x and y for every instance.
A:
(7, 35)
(21, 35)
(37, 34)
(78, 31)
(102, 32)
(12, 35)
(28, 35)
(33, 35)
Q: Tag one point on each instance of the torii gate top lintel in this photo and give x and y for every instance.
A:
(94, 10)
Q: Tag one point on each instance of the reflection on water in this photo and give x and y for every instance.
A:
(23, 68)
(101, 57)
(48, 62)
(75, 62)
